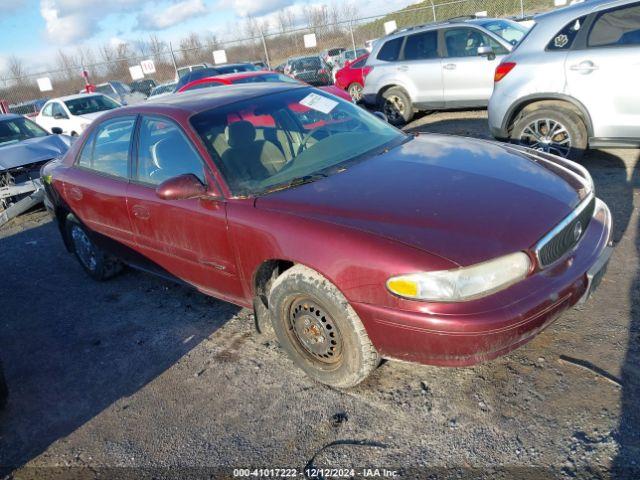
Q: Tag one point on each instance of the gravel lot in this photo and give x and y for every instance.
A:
(139, 377)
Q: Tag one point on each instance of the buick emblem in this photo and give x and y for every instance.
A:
(577, 230)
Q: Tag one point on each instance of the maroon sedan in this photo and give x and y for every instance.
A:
(359, 242)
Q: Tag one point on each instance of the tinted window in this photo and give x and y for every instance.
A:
(616, 27)
(360, 63)
(107, 150)
(390, 50)
(565, 37)
(421, 46)
(90, 104)
(464, 42)
(310, 63)
(165, 152)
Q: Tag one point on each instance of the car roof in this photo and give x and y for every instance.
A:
(452, 22)
(200, 100)
(579, 9)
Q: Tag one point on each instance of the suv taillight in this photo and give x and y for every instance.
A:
(502, 70)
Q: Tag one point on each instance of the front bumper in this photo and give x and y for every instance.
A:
(471, 332)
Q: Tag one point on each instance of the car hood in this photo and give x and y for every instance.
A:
(462, 199)
(33, 150)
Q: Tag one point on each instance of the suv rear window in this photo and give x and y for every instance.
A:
(565, 37)
(616, 27)
(390, 50)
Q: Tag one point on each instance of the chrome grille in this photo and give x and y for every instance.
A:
(566, 235)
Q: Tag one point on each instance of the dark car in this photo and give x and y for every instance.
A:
(196, 75)
(237, 68)
(311, 70)
(143, 86)
(356, 240)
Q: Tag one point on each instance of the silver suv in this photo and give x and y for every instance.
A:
(437, 66)
(572, 82)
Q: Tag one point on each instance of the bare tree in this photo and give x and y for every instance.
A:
(16, 67)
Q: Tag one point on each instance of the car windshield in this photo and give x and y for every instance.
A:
(107, 89)
(167, 87)
(288, 138)
(18, 129)
(90, 104)
(511, 31)
(267, 77)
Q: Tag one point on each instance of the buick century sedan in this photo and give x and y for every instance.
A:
(357, 241)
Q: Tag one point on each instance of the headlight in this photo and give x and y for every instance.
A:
(463, 283)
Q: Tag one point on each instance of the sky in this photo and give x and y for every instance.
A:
(36, 29)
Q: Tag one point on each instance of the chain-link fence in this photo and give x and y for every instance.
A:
(347, 29)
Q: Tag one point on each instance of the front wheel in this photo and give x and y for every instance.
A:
(319, 330)
(551, 128)
(98, 264)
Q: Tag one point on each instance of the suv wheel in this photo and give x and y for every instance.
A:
(397, 106)
(319, 330)
(552, 128)
(98, 264)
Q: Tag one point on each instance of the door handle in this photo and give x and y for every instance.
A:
(450, 66)
(141, 212)
(75, 193)
(584, 67)
(403, 68)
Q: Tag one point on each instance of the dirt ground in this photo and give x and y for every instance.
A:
(141, 378)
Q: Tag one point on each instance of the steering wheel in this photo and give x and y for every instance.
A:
(309, 135)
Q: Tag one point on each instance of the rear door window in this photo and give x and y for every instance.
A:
(620, 26)
(390, 50)
(421, 46)
(107, 149)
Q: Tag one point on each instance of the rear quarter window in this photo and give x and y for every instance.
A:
(390, 51)
(563, 40)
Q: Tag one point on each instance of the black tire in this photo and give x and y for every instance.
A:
(98, 264)
(355, 90)
(319, 330)
(4, 390)
(551, 127)
(397, 106)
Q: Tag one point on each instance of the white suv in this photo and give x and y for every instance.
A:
(438, 66)
(573, 82)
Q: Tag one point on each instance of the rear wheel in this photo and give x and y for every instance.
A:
(319, 330)
(552, 128)
(396, 105)
(355, 90)
(98, 264)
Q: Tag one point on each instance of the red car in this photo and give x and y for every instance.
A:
(253, 77)
(351, 77)
(358, 241)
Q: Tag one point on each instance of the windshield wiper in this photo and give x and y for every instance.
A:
(295, 182)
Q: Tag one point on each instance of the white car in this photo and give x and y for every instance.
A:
(72, 114)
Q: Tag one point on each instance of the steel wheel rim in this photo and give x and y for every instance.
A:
(547, 135)
(356, 92)
(84, 248)
(314, 331)
(394, 107)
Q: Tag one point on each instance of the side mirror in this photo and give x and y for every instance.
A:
(381, 116)
(486, 51)
(56, 131)
(181, 188)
